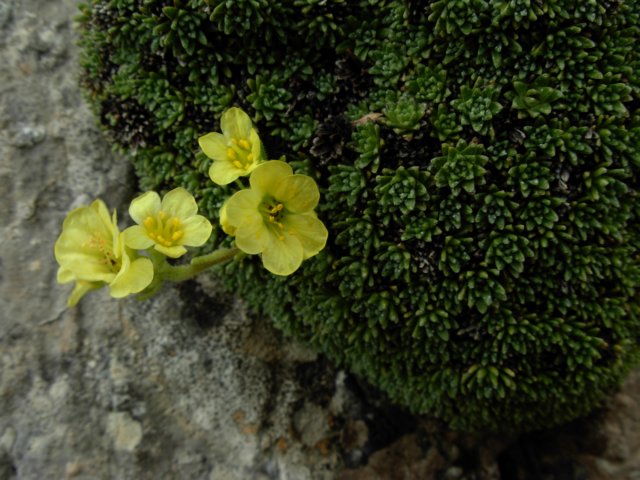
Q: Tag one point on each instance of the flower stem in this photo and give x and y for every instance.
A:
(180, 273)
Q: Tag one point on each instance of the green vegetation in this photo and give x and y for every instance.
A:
(478, 162)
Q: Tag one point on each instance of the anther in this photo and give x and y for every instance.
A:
(238, 164)
(277, 209)
(162, 215)
(231, 153)
(148, 222)
(234, 141)
(175, 223)
(244, 144)
(176, 235)
(250, 157)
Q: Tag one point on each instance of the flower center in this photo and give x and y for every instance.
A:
(239, 152)
(273, 213)
(105, 250)
(164, 230)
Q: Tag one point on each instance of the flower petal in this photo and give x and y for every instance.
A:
(197, 230)
(65, 276)
(90, 220)
(309, 230)
(89, 269)
(253, 237)
(147, 204)
(214, 145)
(242, 208)
(224, 172)
(235, 123)
(136, 237)
(226, 225)
(299, 193)
(179, 203)
(256, 147)
(133, 277)
(267, 176)
(172, 252)
(282, 256)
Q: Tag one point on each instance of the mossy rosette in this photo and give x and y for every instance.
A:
(478, 164)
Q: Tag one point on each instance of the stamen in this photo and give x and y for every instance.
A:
(162, 215)
(237, 164)
(250, 157)
(177, 235)
(272, 219)
(175, 223)
(277, 209)
(244, 144)
(234, 141)
(231, 153)
(148, 222)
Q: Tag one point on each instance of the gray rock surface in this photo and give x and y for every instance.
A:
(187, 384)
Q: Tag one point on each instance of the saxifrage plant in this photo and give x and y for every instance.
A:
(479, 166)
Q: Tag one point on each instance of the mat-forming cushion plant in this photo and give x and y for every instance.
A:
(478, 164)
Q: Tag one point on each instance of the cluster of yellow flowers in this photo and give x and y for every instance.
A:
(274, 217)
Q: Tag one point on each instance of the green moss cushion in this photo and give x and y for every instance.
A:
(478, 162)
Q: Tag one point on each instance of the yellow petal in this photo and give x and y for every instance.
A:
(102, 213)
(92, 219)
(227, 226)
(242, 208)
(147, 204)
(134, 276)
(197, 231)
(179, 203)
(136, 237)
(223, 172)
(309, 230)
(267, 176)
(282, 256)
(171, 252)
(89, 267)
(252, 238)
(214, 145)
(256, 147)
(65, 276)
(299, 193)
(235, 123)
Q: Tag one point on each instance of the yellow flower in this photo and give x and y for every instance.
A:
(236, 151)
(275, 217)
(167, 225)
(91, 252)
